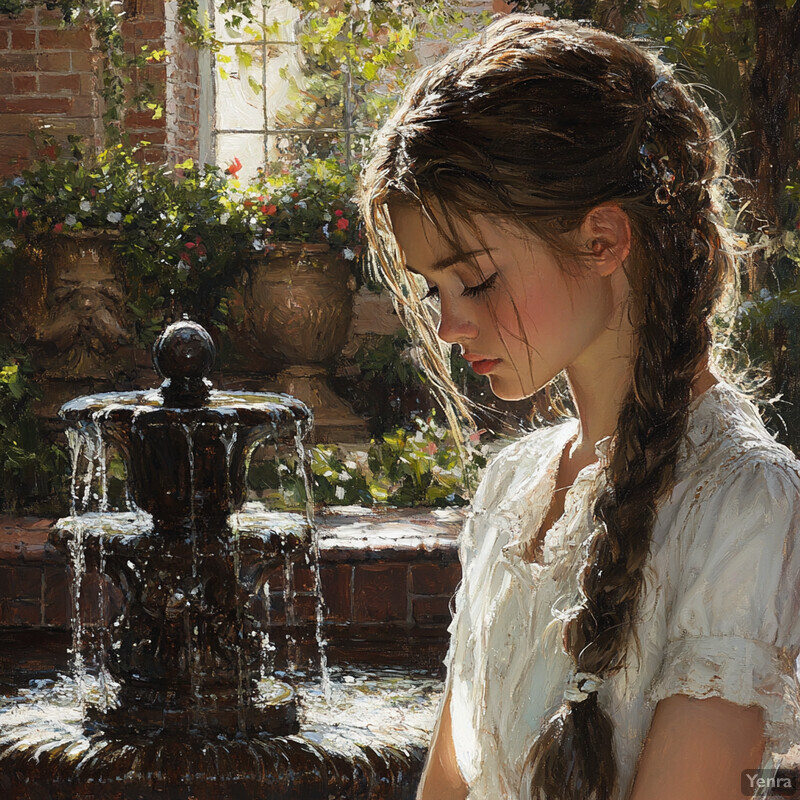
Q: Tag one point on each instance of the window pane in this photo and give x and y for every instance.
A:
(240, 94)
(247, 147)
(276, 21)
(295, 147)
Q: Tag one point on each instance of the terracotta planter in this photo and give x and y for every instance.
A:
(67, 305)
(298, 305)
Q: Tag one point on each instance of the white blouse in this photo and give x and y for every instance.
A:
(719, 612)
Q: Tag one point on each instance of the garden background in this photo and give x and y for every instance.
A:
(163, 159)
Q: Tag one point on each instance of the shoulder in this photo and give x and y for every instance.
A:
(517, 462)
(744, 486)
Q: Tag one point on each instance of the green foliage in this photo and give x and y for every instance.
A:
(358, 58)
(181, 240)
(311, 202)
(30, 467)
(415, 466)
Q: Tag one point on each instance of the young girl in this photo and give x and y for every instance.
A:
(547, 197)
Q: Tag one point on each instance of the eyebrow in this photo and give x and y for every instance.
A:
(448, 261)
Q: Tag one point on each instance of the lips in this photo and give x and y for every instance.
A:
(481, 365)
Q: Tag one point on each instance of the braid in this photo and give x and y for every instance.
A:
(676, 295)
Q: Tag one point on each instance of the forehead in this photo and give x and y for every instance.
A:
(428, 245)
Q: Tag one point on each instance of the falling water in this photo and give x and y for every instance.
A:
(305, 468)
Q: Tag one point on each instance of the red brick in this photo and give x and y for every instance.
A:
(304, 579)
(35, 105)
(23, 40)
(305, 608)
(24, 84)
(50, 18)
(149, 30)
(26, 584)
(21, 62)
(52, 84)
(6, 83)
(65, 39)
(82, 62)
(82, 106)
(379, 593)
(435, 578)
(24, 614)
(431, 610)
(336, 591)
(25, 19)
(53, 62)
(152, 9)
(57, 599)
(89, 82)
(143, 119)
(16, 152)
(154, 137)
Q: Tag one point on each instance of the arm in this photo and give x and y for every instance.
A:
(697, 749)
(441, 779)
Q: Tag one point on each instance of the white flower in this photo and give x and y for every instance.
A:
(339, 492)
(286, 199)
(348, 254)
(70, 220)
(85, 205)
(302, 204)
(224, 218)
(114, 217)
(258, 244)
(325, 229)
(9, 245)
(344, 476)
(183, 266)
(327, 217)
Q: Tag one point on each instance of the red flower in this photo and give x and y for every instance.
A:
(271, 209)
(338, 212)
(186, 257)
(58, 227)
(51, 152)
(263, 209)
(93, 192)
(342, 224)
(295, 194)
(248, 204)
(190, 245)
(20, 213)
(234, 167)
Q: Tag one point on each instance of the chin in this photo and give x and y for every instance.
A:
(508, 390)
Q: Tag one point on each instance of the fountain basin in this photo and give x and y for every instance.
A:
(367, 741)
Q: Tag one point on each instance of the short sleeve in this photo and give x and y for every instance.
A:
(733, 628)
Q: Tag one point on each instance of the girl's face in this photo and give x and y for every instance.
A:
(516, 315)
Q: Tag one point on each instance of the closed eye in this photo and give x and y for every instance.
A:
(468, 291)
(474, 291)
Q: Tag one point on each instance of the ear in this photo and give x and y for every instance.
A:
(605, 234)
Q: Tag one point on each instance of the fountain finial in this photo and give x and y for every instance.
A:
(184, 355)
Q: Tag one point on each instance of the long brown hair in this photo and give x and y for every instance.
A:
(538, 121)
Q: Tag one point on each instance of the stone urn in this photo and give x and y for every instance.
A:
(67, 305)
(298, 304)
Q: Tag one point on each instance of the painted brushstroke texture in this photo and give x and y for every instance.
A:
(720, 609)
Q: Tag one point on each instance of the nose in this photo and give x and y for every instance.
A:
(456, 324)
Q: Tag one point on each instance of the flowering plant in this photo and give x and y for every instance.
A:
(180, 242)
(310, 202)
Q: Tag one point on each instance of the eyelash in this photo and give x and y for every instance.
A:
(469, 291)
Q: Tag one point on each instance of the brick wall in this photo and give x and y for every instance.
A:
(387, 584)
(50, 77)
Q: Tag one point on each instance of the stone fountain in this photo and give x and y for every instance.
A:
(181, 698)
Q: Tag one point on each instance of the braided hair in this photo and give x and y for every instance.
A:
(539, 121)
